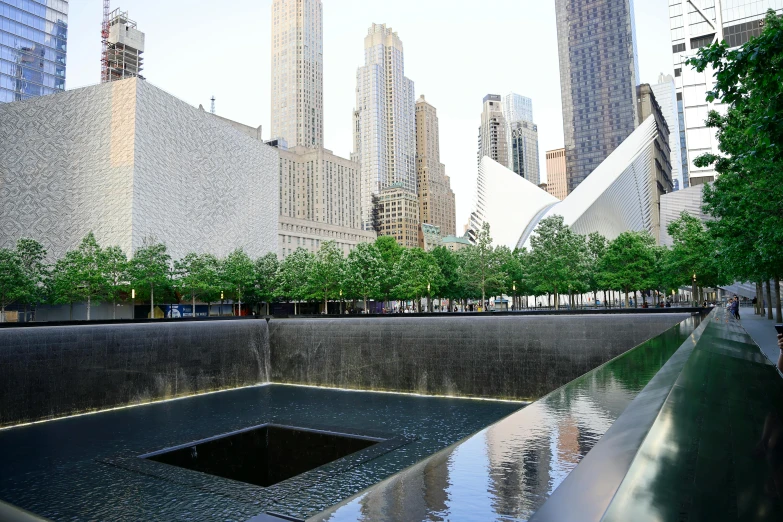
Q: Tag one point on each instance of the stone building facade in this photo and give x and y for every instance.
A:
(436, 199)
(128, 162)
(556, 183)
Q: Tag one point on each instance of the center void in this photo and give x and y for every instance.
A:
(263, 455)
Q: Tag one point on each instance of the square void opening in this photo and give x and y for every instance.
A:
(264, 455)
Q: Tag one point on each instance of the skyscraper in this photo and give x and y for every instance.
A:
(33, 38)
(436, 199)
(598, 75)
(692, 28)
(517, 108)
(297, 72)
(666, 97)
(522, 137)
(523, 150)
(556, 183)
(492, 139)
(384, 125)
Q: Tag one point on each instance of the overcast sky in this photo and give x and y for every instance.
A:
(456, 52)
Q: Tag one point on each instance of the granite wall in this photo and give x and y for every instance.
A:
(52, 371)
(522, 357)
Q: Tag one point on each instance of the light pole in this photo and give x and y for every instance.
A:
(693, 290)
(220, 312)
(514, 304)
(133, 303)
(341, 301)
(429, 299)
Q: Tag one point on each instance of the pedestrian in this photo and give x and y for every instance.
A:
(736, 308)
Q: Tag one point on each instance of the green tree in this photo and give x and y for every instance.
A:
(325, 272)
(114, 268)
(197, 276)
(266, 278)
(415, 273)
(362, 271)
(693, 253)
(629, 262)
(150, 269)
(746, 200)
(557, 258)
(390, 254)
(481, 269)
(64, 281)
(88, 276)
(596, 249)
(14, 283)
(294, 276)
(448, 283)
(32, 256)
(238, 273)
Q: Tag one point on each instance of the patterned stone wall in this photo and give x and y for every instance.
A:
(128, 161)
(66, 167)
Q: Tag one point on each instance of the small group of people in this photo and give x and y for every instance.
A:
(733, 307)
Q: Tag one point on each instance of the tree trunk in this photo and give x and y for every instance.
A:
(193, 304)
(557, 300)
(70, 311)
(152, 302)
(2, 312)
(627, 302)
(89, 301)
(778, 311)
(759, 299)
(769, 301)
(114, 308)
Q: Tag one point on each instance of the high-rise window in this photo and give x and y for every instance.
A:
(33, 45)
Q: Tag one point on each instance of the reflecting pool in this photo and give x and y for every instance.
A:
(508, 470)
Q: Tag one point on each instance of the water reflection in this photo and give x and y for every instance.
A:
(507, 471)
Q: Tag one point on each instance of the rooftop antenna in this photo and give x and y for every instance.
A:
(105, 42)
(212, 107)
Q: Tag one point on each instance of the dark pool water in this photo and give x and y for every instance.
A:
(86, 467)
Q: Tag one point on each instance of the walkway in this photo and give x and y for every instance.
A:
(708, 456)
(763, 333)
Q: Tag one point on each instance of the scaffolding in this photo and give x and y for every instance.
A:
(124, 48)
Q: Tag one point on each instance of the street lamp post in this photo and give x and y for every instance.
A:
(341, 302)
(133, 303)
(429, 299)
(220, 313)
(514, 304)
(693, 290)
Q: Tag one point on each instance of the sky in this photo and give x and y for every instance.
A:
(456, 52)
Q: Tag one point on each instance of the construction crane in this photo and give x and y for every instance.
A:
(105, 42)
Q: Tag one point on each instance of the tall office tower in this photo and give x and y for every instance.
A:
(556, 183)
(384, 124)
(297, 72)
(492, 140)
(660, 168)
(666, 96)
(124, 48)
(33, 39)
(598, 74)
(517, 107)
(522, 136)
(523, 150)
(436, 199)
(695, 25)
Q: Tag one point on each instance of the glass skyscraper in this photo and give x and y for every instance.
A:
(33, 35)
(598, 76)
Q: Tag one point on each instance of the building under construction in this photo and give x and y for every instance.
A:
(124, 46)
